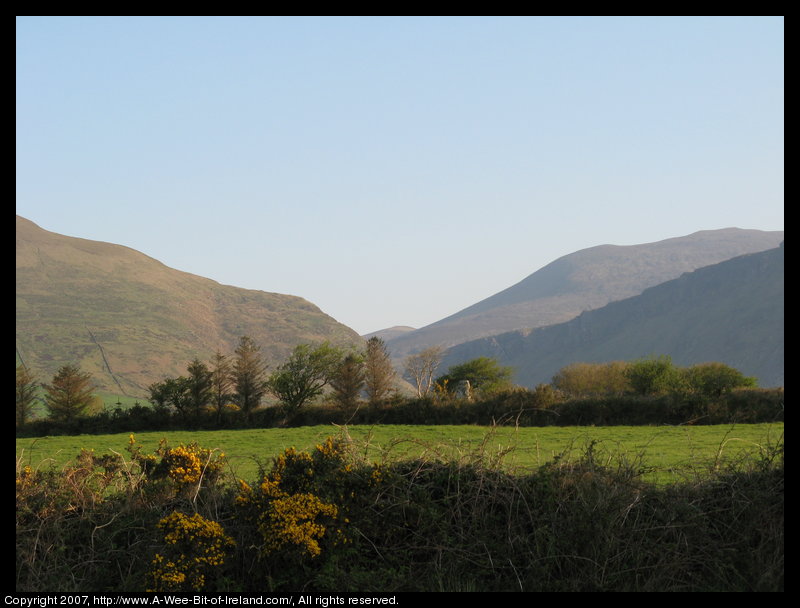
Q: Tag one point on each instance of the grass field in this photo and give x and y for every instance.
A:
(665, 453)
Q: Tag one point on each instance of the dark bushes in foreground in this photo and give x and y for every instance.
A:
(328, 521)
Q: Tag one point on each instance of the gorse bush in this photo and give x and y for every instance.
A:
(330, 521)
(72, 523)
(286, 511)
(195, 550)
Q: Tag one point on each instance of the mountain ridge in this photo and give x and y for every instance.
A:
(584, 280)
(731, 312)
(130, 320)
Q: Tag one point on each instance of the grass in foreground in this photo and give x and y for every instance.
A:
(331, 519)
(664, 454)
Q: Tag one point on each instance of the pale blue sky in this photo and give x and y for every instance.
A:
(395, 170)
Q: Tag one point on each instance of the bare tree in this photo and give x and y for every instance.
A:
(421, 367)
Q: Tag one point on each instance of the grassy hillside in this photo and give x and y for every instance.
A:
(732, 312)
(130, 320)
(585, 280)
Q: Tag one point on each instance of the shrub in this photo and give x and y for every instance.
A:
(592, 379)
(654, 376)
(485, 376)
(194, 551)
(293, 512)
(328, 521)
(715, 379)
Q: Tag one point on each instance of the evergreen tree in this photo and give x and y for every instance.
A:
(69, 393)
(249, 376)
(221, 383)
(199, 388)
(26, 394)
(348, 381)
(379, 371)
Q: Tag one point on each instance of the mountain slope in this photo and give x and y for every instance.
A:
(585, 280)
(731, 312)
(389, 333)
(130, 320)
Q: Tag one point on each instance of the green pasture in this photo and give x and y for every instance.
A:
(664, 454)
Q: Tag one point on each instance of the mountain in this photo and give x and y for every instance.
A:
(389, 333)
(584, 280)
(730, 312)
(130, 320)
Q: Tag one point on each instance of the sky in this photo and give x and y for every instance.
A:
(395, 170)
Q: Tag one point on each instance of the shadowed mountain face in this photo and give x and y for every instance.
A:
(130, 320)
(731, 312)
(584, 280)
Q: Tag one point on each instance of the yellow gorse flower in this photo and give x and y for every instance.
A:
(294, 520)
(287, 512)
(195, 545)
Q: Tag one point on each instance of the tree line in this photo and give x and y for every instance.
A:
(239, 382)
(350, 377)
(649, 376)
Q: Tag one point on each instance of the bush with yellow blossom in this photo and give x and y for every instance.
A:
(194, 551)
(187, 467)
(293, 507)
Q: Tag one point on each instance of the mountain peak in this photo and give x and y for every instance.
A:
(584, 280)
(130, 320)
(731, 312)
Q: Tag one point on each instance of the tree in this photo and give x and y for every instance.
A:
(348, 380)
(714, 379)
(304, 375)
(653, 376)
(249, 376)
(592, 379)
(421, 367)
(26, 394)
(158, 396)
(221, 383)
(379, 374)
(199, 387)
(69, 393)
(172, 392)
(484, 374)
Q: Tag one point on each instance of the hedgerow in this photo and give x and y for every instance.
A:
(328, 520)
(521, 407)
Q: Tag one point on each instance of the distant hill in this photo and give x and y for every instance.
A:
(585, 280)
(731, 312)
(130, 320)
(389, 333)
